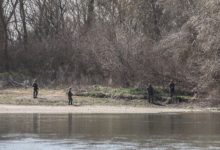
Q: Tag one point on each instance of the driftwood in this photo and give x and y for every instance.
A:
(159, 103)
(12, 82)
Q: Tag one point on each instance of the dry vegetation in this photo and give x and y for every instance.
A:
(58, 97)
(127, 43)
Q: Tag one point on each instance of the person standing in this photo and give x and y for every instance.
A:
(35, 88)
(150, 91)
(172, 88)
(70, 98)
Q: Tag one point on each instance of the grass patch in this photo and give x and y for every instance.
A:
(130, 93)
(109, 92)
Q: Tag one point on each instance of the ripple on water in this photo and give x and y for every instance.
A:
(67, 144)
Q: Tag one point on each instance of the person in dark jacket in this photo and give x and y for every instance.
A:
(70, 94)
(150, 91)
(35, 88)
(172, 88)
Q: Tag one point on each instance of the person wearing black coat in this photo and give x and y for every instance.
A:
(150, 91)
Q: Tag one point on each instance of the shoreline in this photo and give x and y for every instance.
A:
(29, 109)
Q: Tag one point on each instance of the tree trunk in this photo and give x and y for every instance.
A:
(90, 17)
(1, 28)
(155, 18)
(23, 19)
(4, 38)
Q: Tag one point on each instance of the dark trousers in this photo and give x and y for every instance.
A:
(172, 96)
(171, 93)
(35, 93)
(70, 101)
(150, 98)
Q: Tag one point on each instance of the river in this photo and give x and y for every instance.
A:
(165, 131)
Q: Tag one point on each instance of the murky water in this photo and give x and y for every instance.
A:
(110, 132)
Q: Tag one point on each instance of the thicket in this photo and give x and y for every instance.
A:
(113, 42)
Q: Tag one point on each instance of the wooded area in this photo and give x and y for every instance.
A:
(113, 42)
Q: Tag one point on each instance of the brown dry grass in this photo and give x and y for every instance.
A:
(59, 98)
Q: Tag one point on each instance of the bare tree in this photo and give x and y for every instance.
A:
(24, 23)
(5, 22)
(123, 41)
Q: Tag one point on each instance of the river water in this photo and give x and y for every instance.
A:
(165, 131)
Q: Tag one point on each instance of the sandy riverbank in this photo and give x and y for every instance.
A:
(92, 109)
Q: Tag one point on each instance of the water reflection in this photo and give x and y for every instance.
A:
(35, 123)
(145, 130)
(110, 125)
(70, 124)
